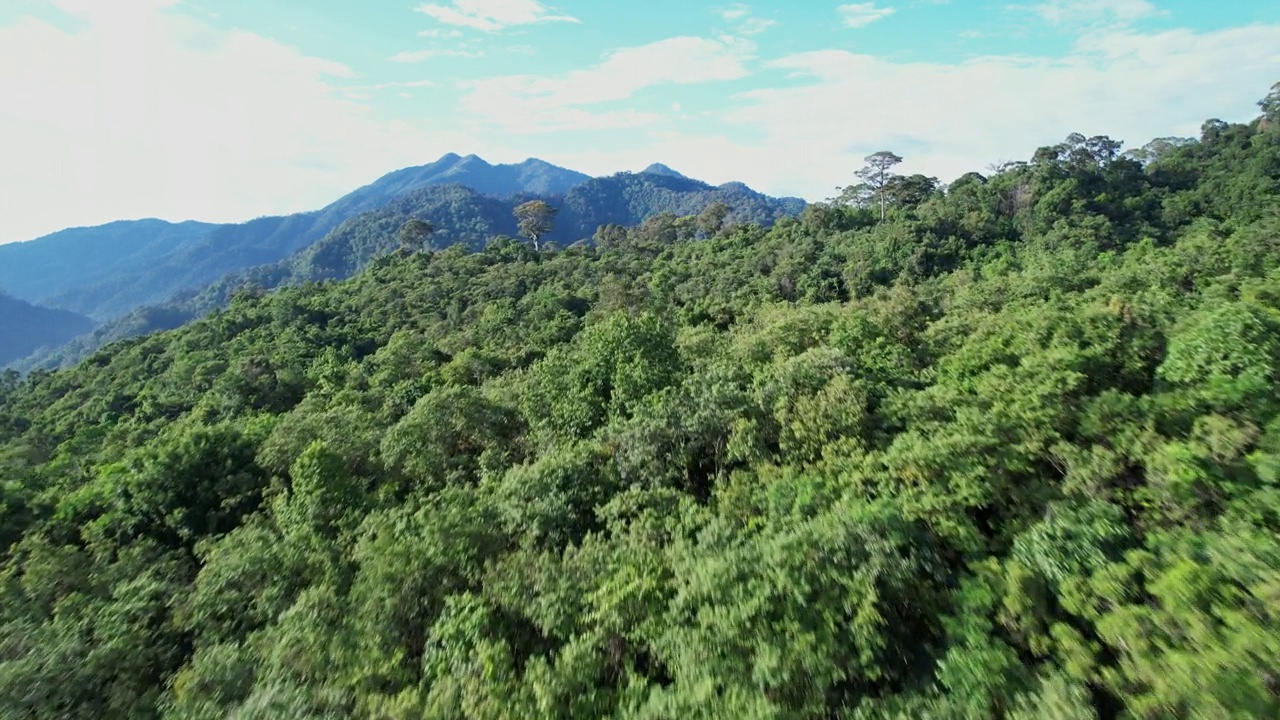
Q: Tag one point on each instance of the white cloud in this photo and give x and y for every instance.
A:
(858, 15)
(1092, 11)
(533, 103)
(744, 22)
(755, 26)
(415, 56)
(492, 15)
(143, 111)
(98, 11)
(950, 119)
(403, 84)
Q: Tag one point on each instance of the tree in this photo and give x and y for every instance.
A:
(535, 220)
(910, 191)
(415, 233)
(711, 220)
(1212, 130)
(1271, 105)
(876, 175)
(1158, 148)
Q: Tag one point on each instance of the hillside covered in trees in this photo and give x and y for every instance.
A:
(460, 214)
(1011, 452)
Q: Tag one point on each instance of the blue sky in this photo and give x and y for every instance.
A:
(223, 110)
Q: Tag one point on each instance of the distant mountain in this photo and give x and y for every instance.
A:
(465, 217)
(531, 177)
(660, 169)
(632, 198)
(50, 269)
(108, 271)
(25, 328)
(462, 216)
(105, 272)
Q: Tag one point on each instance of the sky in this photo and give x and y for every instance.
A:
(225, 110)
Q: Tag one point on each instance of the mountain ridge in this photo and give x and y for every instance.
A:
(172, 272)
(25, 328)
(108, 270)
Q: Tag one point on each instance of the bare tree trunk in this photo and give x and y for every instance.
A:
(882, 171)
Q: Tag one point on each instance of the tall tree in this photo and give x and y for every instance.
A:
(1271, 105)
(877, 176)
(536, 220)
(711, 220)
(415, 233)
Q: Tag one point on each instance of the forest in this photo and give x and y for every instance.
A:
(1008, 448)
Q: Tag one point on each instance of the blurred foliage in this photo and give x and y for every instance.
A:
(1011, 453)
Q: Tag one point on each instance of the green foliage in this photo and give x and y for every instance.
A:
(535, 220)
(1013, 452)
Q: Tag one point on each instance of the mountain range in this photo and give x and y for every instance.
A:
(134, 277)
(25, 328)
(105, 272)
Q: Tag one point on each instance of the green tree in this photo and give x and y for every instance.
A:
(712, 218)
(876, 176)
(535, 220)
(1271, 105)
(415, 234)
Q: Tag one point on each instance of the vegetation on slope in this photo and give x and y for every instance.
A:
(1011, 453)
(463, 216)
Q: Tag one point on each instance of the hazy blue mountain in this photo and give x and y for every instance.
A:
(660, 169)
(25, 328)
(632, 198)
(532, 177)
(250, 254)
(105, 272)
(463, 216)
(54, 266)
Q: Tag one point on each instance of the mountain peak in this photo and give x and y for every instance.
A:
(660, 169)
(473, 159)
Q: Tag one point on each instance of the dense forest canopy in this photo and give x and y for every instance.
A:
(1012, 452)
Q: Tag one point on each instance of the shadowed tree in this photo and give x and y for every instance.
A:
(536, 219)
(415, 233)
(711, 221)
